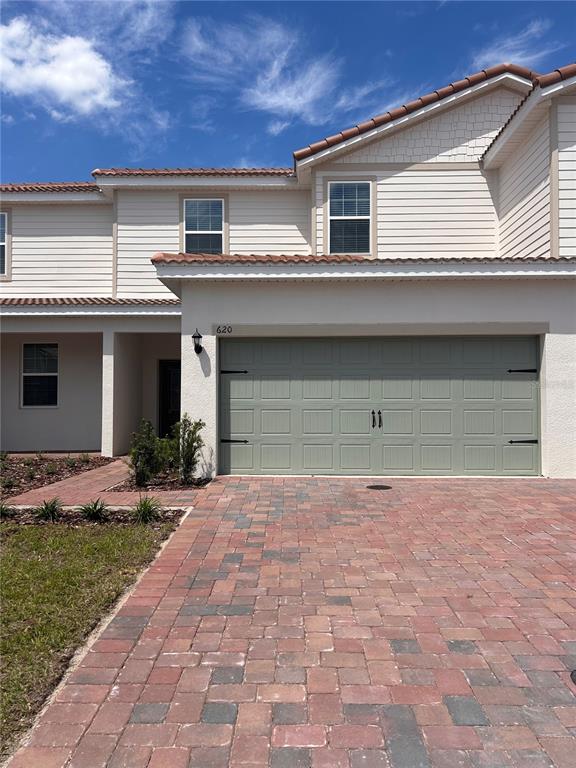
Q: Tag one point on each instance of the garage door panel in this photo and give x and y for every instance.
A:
(466, 415)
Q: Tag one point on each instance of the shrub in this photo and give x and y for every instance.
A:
(85, 458)
(189, 442)
(7, 483)
(145, 454)
(51, 468)
(147, 510)
(50, 510)
(95, 511)
(29, 462)
(5, 511)
(70, 462)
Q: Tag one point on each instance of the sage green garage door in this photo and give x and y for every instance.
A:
(379, 406)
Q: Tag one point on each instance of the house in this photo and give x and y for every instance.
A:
(401, 301)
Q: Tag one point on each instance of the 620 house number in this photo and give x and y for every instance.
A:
(222, 330)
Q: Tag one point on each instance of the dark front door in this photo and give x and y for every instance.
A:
(168, 395)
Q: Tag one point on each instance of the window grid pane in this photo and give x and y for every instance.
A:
(2, 228)
(350, 236)
(40, 358)
(350, 199)
(40, 390)
(2, 259)
(203, 215)
(203, 243)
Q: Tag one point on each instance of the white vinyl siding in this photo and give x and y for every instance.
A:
(460, 134)
(148, 222)
(275, 222)
(524, 197)
(428, 213)
(61, 250)
(567, 179)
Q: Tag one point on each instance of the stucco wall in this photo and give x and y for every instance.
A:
(540, 307)
(75, 424)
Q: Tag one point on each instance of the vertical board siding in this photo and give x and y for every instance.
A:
(524, 198)
(264, 222)
(460, 134)
(147, 222)
(61, 250)
(427, 213)
(567, 179)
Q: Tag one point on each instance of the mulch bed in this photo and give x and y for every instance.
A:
(165, 481)
(19, 474)
(74, 518)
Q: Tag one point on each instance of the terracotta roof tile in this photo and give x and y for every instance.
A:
(422, 101)
(562, 73)
(192, 172)
(51, 186)
(241, 258)
(82, 301)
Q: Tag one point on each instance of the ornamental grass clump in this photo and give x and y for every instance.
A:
(147, 510)
(95, 511)
(49, 511)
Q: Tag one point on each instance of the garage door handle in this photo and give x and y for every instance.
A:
(530, 442)
(373, 419)
(225, 440)
(380, 419)
(522, 370)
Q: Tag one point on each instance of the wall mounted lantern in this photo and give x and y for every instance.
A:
(197, 338)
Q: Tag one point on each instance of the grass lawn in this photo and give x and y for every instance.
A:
(56, 582)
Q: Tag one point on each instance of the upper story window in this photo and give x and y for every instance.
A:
(349, 216)
(203, 226)
(39, 375)
(3, 243)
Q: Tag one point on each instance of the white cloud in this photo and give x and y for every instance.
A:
(527, 47)
(64, 73)
(264, 65)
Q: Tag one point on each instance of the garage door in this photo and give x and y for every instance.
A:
(379, 406)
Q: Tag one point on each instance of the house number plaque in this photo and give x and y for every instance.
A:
(223, 330)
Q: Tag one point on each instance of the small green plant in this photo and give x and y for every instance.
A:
(51, 468)
(29, 462)
(85, 458)
(95, 511)
(30, 474)
(190, 443)
(39, 456)
(147, 510)
(145, 454)
(70, 462)
(5, 511)
(50, 510)
(7, 483)
(3, 458)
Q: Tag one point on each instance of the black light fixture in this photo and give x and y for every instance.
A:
(197, 338)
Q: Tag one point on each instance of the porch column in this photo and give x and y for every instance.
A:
(121, 391)
(199, 391)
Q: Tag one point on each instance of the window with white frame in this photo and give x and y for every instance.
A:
(203, 226)
(3, 243)
(349, 216)
(39, 375)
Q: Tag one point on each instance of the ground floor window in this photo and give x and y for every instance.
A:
(39, 375)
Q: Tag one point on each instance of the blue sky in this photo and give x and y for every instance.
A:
(158, 83)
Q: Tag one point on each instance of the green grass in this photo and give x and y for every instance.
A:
(56, 582)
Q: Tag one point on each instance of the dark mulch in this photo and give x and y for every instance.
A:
(165, 481)
(75, 518)
(19, 474)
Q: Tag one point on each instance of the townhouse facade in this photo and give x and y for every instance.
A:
(400, 301)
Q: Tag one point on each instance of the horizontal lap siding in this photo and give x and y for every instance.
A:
(567, 179)
(524, 198)
(270, 222)
(61, 250)
(148, 222)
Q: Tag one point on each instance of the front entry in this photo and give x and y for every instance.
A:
(381, 406)
(168, 395)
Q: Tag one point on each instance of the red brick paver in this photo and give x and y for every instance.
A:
(315, 622)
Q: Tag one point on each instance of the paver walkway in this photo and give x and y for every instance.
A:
(314, 622)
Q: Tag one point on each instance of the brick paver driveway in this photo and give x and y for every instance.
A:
(314, 622)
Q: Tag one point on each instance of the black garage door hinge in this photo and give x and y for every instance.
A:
(226, 440)
(522, 370)
(530, 442)
(233, 371)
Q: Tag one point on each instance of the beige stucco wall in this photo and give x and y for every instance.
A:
(75, 424)
(541, 307)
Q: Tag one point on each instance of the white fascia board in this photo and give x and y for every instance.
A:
(53, 310)
(53, 197)
(427, 111)
(538, 100)
(168, 273)
(185, 182)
